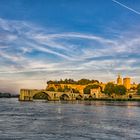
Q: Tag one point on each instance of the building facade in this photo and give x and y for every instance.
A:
(127, 83)
(119, 80)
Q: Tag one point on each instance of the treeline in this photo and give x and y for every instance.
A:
(8, 95)
(110, 88)
(71, 81)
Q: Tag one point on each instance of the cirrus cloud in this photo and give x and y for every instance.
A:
(29, 52)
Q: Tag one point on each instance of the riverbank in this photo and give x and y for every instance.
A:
(112, 99)
(94, 99)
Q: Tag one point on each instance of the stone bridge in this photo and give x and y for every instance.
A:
(29, 95)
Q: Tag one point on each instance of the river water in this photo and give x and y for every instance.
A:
(69, 120)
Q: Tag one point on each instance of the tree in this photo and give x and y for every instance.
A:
(75, 90)
(71, 81)
(50, 82)
(109, 89)
(60, 89)
(120, 90)
(138, 89)
(94, 81)
(66, 89)
(83, 81)
(51, 89)
(5, 95)
(87, 88)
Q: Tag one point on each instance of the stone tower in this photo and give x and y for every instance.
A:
(127, 82)
(119, 80)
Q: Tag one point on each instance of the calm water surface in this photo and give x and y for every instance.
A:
(69, 121)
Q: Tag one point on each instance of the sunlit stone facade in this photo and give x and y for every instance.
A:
(127, 82)
(119, 80)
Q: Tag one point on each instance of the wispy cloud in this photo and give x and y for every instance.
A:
(29, 52)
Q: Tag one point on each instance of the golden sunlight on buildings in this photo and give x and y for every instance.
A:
(73, 90)
(126, 82)
(119, 80)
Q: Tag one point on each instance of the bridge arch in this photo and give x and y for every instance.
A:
(130, 96)
(79, 97)
(64, 97)
(41, 96)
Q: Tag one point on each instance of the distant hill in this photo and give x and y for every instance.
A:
(8, 95)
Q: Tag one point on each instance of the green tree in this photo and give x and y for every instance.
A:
(50, 82)
(5, 95)
(75, 90)
(66, 89)
(119, 90)
(87, 88)
(60, 89)
(83, 81)
(109, 89)
(138, 89)
(71, 81)
(94, 81)
(51, 89)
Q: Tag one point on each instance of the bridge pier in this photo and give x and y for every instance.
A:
(25, 95)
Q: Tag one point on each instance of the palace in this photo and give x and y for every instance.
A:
(126, 82)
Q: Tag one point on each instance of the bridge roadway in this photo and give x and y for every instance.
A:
(29, 95)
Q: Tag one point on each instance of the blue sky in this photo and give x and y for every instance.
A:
(53, 39)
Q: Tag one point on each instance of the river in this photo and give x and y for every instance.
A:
(81, 120)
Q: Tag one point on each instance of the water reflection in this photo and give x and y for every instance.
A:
(98, 103)
(77, 120)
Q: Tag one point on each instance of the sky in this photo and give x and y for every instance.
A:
(53, 39)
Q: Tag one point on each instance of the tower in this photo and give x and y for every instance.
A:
(126, 82)
(119, 80)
